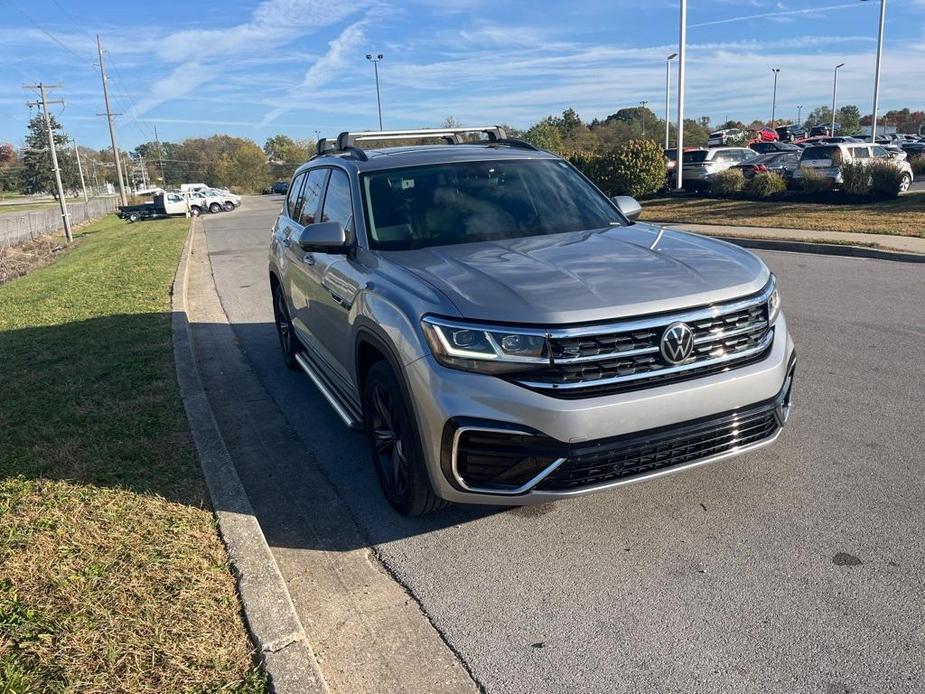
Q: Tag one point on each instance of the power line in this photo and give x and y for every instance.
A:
(48, 33)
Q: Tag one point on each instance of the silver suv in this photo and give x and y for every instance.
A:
(506, 334)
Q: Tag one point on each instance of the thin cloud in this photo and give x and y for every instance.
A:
(770, 15)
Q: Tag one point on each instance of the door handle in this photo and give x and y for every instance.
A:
(287, 241)
(308, 259)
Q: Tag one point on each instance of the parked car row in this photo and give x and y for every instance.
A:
(825, 155)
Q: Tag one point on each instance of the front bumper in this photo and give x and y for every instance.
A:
(583, 446)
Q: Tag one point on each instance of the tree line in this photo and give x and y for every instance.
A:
(244, 166)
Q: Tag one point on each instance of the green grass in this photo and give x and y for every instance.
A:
(27, 207)
(903, 216)
(112, 575)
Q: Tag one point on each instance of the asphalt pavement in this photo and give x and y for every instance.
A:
(799, 568)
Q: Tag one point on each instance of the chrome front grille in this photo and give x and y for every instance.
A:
(609, 358)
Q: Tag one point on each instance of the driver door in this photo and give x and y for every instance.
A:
(304, 286)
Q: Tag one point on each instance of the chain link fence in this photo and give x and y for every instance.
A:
(16, 227)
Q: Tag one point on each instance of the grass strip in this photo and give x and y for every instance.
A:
(901, 217)
(112, 574)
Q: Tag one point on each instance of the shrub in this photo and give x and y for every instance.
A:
(727, 182)
(814, 182)
(855, 177)
(766, 184)
(637, 168)
(885, 178)
(918, 165)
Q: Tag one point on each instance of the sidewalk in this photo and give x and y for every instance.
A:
(898, 244)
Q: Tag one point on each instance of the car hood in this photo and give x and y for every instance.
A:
(585, 276)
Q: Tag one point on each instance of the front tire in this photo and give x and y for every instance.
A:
(394, 444)
(195, 211)
(288, 342)
(229, 206)
(905, 183)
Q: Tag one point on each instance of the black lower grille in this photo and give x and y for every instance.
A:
(644, 453)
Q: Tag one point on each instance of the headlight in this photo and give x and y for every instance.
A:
(488, 349)
(773, 302)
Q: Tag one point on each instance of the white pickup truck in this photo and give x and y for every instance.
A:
(163, 205)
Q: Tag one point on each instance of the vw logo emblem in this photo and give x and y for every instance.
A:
(677, 343)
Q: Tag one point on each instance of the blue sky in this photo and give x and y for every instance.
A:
(254, 69)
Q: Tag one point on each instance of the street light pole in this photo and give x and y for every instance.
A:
(643, 104)
(834, 95)
(873, 123)
(668, 97)
(800, 115)
(375, 61)
(776, 71)
(682, 40)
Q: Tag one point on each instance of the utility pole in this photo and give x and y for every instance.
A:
(682, 45)
(54, 152)
(668, 97)
(776, 71)
(80, 170)
(375, 61)
(835, 95)
(799, 115)
(873, 123)
(112, 131)
(160, 157)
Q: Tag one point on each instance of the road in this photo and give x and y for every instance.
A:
(800, 568)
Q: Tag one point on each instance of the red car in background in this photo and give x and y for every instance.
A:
(763, 135)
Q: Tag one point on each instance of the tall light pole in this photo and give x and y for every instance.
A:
(668, 96)
(835, 94)
(374, 59)
(682, 41)
(112, 130)
(873, 123)
(776, 71)
(800, 115)
(642, 112)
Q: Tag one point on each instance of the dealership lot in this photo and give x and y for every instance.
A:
(797, 568)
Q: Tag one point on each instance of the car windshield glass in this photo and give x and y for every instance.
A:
(695, 157)
(466, 202)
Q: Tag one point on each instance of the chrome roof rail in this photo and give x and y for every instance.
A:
(347, 140)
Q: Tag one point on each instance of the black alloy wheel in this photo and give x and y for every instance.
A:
(288, 341)
(394, 444)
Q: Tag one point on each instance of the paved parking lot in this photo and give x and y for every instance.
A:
(799, 568)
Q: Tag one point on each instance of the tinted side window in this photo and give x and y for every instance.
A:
(860, 152)
(292, 204)
(337, 202)
(311, 196)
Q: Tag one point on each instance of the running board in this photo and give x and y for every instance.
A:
(343, 410)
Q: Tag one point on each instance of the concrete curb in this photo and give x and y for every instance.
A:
(822, 248)
(268, 609)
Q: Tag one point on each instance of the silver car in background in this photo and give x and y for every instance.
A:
(701, 164)
(504, 333)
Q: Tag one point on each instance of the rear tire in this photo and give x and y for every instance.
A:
(215, 208)
(133, 217)
(288, 341)
(905, 183)
(394, 444)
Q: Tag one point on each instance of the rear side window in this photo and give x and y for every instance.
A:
(860, 152)
(697, 157)
(291, 201)
(338, 206)
(311, 196)
(824, 153)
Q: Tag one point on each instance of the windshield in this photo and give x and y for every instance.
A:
(466, 202)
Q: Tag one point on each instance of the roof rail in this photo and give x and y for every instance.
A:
(347, 140)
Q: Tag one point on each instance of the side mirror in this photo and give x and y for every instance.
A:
(629, 206)
(324, 237)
